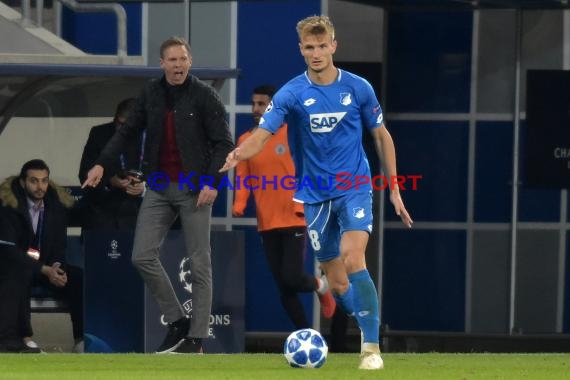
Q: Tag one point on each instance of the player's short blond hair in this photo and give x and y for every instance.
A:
(315, 25)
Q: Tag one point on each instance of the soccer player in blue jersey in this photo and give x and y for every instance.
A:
(326, 109)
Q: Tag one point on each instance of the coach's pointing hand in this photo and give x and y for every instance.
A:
(93, 176)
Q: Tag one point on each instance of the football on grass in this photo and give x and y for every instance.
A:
(305, 348)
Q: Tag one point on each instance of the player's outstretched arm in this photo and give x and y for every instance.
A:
(249, 148)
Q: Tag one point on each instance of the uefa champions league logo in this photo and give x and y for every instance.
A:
(184, 275)
(185, 279)
(114, 254)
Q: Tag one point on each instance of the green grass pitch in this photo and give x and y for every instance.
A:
(273, 366)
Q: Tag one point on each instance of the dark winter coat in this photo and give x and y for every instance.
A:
(17, 233)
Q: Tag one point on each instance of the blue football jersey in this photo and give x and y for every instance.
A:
(325, 133)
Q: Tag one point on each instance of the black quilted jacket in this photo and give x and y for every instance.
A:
(202, 133)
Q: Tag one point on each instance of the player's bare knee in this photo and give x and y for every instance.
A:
(354, 262)
(339, 286)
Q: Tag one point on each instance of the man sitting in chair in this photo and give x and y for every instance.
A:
(33, 236)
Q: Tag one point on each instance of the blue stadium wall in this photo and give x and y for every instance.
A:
(424, 270)
(96, 33)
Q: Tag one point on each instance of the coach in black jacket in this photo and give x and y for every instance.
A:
(187, 141)
(201, 131)
(46, 233)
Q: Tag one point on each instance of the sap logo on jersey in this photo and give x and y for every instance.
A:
(325, 122)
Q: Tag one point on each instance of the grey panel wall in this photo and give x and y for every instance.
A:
(210, 33)
(496, 72)
(359, 29)
(21, 41)
(164, 20)
(537, 281)
(210, 37)
(543, 37)
(541, 49)
(490, 284)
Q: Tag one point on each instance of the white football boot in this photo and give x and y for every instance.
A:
(370, 357)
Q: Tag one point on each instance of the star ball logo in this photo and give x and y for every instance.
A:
(185, 279)
(184, 275)
(114, 253)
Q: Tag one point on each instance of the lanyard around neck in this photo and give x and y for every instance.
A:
(141, 156)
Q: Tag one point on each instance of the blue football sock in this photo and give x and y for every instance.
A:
(366, 310)
(346, 300)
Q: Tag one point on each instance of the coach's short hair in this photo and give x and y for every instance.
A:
(173, 41)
